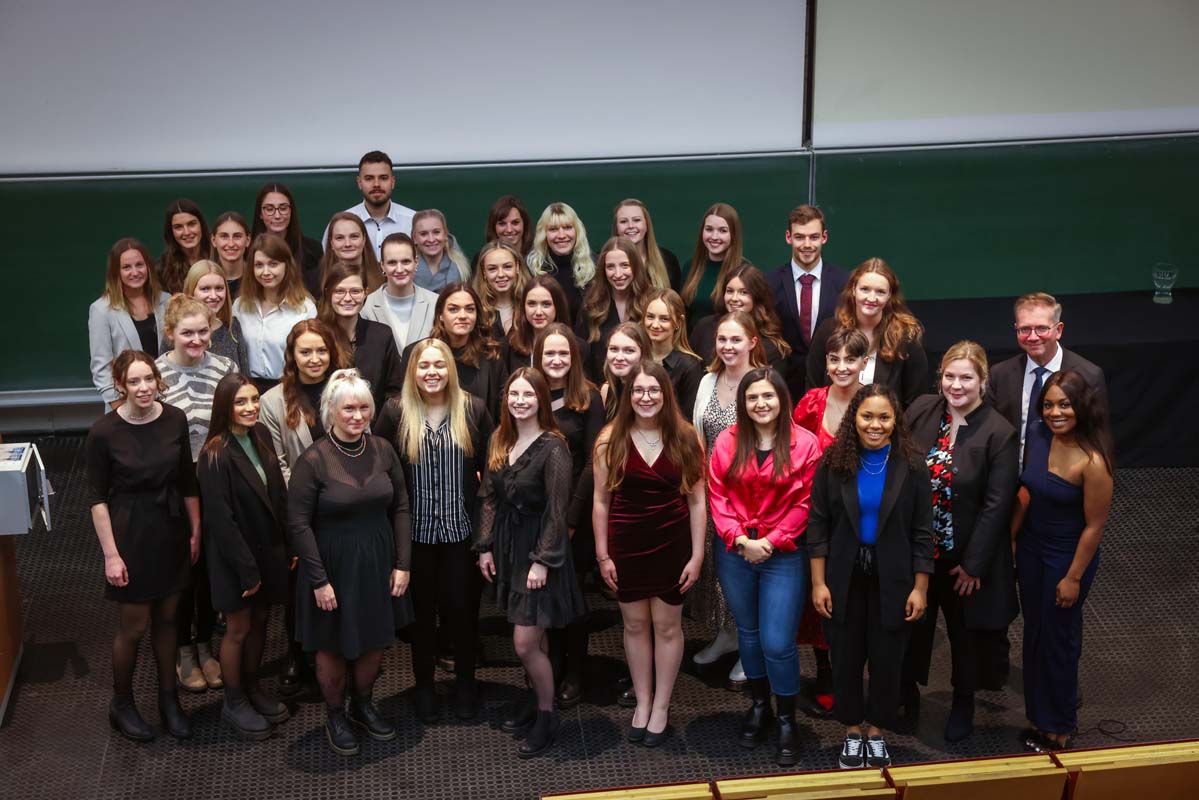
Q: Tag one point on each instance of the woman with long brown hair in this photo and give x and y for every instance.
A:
(369, 345)
(628, 344)
(508, 222)
(616, 295)
(745, 289)
(230, 241)
(717, 252)
(347, 240)
(543, 304)
(276, 211)
(649, 513)
(185, 239)
(873, 304)
(523, 540)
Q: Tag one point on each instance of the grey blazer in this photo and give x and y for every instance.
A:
(290, 443)
(109, 331)
(377, 309)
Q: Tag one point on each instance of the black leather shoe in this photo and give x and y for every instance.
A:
(788, 750)
(522, 715)
(290, 682)
(274, 711)
(173, 718)
(124, 718)
(541, 735)
(627, 698)
(243, 717)
(654, 739)
(635, 735)
(961, 717)
(340, 734)
(424, 702)
(365, 714)
(466, 700)
(756, 722)
(570, 692)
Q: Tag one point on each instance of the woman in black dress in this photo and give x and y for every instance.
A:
(244, 503)
(146, 513)
(523, 541)
(348, 520)
(579, 412)
(650, 517)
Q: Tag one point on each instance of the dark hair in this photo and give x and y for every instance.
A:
(802, 215)
(764, 313)
(337, 272)
(505, 433)
(479, 344)
(500, 209)
(376, 157)
(597, 302)
(746, 431)
(843, 454)
(521, 337)
(1090, 418)
(578, 388)
(699, 260)
(126, 359)
(174, 264)
(898, 329)
(372, 275)
(295, 403)
(294, 235)
(220, 426)
(114, 290)
(636, 332)
(852, 340)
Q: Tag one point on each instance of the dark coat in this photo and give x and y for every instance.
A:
(786, 305)
(905, 541)
(243, 523)
(985, 480)
(908, 376)
(685, 371)
(484, 380)
(1005, 386)
(378, 359)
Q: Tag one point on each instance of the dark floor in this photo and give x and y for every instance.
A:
(1137, 676)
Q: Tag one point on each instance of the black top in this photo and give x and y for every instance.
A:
(234, 285)
(907, 375)
(598, 349)
(703, 342)
(674, 273)
(311, 393)
(147, 332)
(581, 428)
(685, 371)
(310, 264)
(378, 359)
(562, 270)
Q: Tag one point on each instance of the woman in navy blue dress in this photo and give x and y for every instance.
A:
(1063, 507)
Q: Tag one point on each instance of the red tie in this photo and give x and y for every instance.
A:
(805, 307)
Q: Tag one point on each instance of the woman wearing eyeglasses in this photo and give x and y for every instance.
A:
(275, 211)
(370, 344)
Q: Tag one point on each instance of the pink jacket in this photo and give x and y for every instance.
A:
(754, 499)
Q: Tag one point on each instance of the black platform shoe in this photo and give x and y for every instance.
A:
(243, 717)
(755, 724)
(466, 700)
(173, 719)
(788, 750)
(124, 718)
(424, 702)
(271, 708)
(340, 734)
(570, 692)
(523, 714)
(541, 735)
(961, 717)
(365, 714)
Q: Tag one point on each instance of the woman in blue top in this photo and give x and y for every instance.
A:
(870, 543)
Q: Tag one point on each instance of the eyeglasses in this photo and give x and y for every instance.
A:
(652, 391)
(338, 294)
(282, 208)
(1028, 330)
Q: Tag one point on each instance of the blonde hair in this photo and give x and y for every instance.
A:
(972, 352)
(415, 410)
(678, 317)
(1039, 299)
(457, 257)
(341, 383)
(489, 312)
(582, 265)
(199, 270)
(655, 267)
(180, 306)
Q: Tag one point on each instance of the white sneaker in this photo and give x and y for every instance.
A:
(725, 642)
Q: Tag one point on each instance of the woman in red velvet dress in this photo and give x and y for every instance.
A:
(650, 517)
(820, 411)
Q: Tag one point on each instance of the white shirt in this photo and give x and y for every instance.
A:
(397, 220)
(1054, 365)
(266, 335)
(796, 272)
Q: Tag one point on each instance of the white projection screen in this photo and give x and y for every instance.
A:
(909, 72)
(164, 85)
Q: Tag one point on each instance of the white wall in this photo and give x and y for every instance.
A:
(178, 84)
(896, 72)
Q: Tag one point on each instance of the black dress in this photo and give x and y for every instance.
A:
(143, 472)
(523, 522)
(348, 521)
(580, 428)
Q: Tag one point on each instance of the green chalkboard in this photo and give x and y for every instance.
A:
(999, 221)
(60, 231)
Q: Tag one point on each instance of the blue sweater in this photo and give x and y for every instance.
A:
(872, 474)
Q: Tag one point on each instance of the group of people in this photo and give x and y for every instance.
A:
(372, 429)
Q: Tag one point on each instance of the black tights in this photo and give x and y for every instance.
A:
(331, 674)
(133, 620)
(241, 647)
(195, 606)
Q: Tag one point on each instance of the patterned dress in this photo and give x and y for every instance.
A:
(707, 603)
(940, 470)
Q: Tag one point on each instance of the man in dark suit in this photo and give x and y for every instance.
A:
(805, 290)
(1017, 382)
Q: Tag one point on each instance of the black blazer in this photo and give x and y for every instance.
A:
(1005, 386)
(905, 538)
(310, 265)
(377, 358)
(478, 422)
(907, 376)
(594, 365)
(786, 305)
(703, 342)
(685, 373)
(985, 480)
(243, 522)
(484, 380)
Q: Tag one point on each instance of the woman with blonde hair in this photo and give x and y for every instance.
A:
(207, 283)
(614, 296)
(128, 315)
(269, 305)
(440, 261)
(717, 252)
(440, 433)
(873, 304)
(665, 322)
(500, 284)
(560, 248)
(631, 220)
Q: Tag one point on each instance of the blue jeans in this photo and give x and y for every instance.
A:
(766, 600)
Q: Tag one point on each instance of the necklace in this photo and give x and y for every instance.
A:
(881, 463)
(724, 377)
(347, 451)
(651, 443)
(127, 413)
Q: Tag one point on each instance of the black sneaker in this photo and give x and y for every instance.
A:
(851, 752)
(877, 756)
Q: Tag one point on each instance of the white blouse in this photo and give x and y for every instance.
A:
(266, 334)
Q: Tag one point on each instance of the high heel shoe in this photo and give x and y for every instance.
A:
(653, 739)
(124, 718)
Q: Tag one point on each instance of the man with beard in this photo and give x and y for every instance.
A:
(382, 217)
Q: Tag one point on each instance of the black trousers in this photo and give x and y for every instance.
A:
(971, 651)
(860, 639)
(445, 582)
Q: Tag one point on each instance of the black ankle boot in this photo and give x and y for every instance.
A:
(541, 735)
(124, 718)
(788, 750)
(755, 723)
(291, 681)
(466, 699)
(243, 717)
(961, 717)
(271, 708)
(338, 732)
(909, 700)
(173, 718)
(523, 715)
(365, 714)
